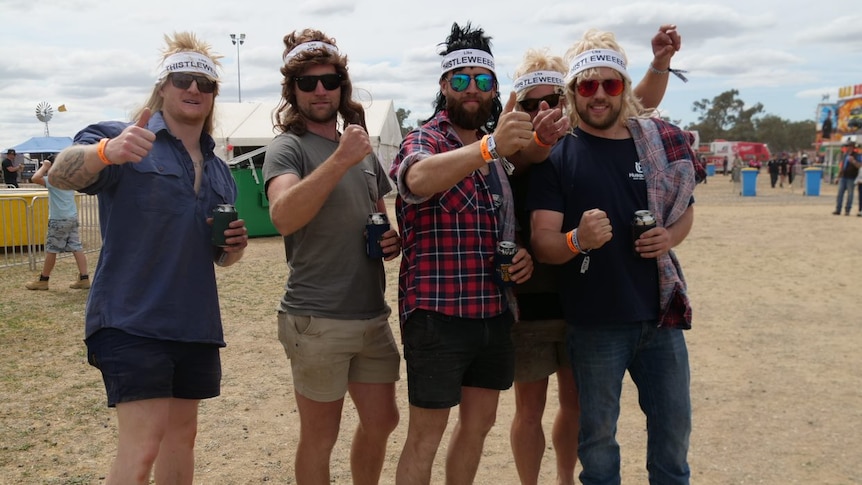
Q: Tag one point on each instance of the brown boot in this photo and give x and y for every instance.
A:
(83, 283)
(38, 283)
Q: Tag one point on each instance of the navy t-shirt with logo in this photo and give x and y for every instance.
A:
(587, 172)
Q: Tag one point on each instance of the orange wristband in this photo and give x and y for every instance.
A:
(101, 151)
(483, 146)
(570, 240)
(540, 142)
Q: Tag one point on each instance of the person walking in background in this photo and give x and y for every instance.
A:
(773, 169)
(539, 335)
(10, 170)
(792, 167)
(454, 205)
(783, 169)
(62, 234)
(153, 325)
(859, 185)
(624, 300)
(323, 180)
(847, 174)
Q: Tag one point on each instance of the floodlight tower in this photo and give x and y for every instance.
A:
(238, 40)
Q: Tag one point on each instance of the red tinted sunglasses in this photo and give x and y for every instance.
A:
(612, 87)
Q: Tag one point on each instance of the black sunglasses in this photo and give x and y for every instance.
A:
(532, 104)
(308, 84)
(184, 81)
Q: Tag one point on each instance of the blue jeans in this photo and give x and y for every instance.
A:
(845, 184)
(657, 360)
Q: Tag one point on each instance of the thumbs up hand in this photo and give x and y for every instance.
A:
(514, 130)
(133, 144)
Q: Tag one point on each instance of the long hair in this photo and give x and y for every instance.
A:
(539, 60)
(468, 38)
(596, 39)
(181, 42)
(286, 117)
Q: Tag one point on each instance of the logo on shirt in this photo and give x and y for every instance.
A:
(638, 174)
(498, 200)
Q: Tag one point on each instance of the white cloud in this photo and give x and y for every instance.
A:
(98, 58)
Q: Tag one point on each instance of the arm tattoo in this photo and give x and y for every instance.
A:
(72, 174)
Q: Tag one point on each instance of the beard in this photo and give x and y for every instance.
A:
(610, 119)
(466, 119)
(318, 115)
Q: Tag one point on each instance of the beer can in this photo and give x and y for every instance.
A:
(506, 250)
(376, 225)
(223, 215)
(642, 222)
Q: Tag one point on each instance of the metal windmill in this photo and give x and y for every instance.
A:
(44, 113)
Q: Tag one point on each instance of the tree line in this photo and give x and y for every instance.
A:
(726, 117)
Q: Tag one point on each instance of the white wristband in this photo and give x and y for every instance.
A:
(657, 71)
(577, 245)
(492, 148)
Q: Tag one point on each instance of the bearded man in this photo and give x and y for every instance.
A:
(454, 205)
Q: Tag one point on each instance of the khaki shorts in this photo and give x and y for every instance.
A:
(540, 349)
(325, 354)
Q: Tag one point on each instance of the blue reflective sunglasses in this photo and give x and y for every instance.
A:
(460, 82)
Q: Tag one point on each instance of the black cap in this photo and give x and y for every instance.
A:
(11, 150)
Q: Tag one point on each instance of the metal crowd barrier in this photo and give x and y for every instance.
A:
(24, 226)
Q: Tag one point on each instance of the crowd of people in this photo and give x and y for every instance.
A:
(517, 260)
(785, 169)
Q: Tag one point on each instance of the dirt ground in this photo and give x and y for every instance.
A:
(776, 387)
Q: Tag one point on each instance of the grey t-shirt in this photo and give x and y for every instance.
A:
(329, 273)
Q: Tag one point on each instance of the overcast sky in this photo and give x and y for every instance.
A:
(98, 58)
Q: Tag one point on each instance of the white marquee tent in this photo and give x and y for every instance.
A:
(249, 125)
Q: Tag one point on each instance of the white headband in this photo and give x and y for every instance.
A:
(466, 58)
(597, 58)
(188, 61)
(538, 78)
(307, 46)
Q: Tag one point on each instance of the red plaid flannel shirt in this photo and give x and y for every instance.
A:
(448, 239)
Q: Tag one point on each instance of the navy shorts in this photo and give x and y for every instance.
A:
(446, 353)
(136, 368)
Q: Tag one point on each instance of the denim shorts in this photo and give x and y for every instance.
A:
(137, 368)
(445, 353)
